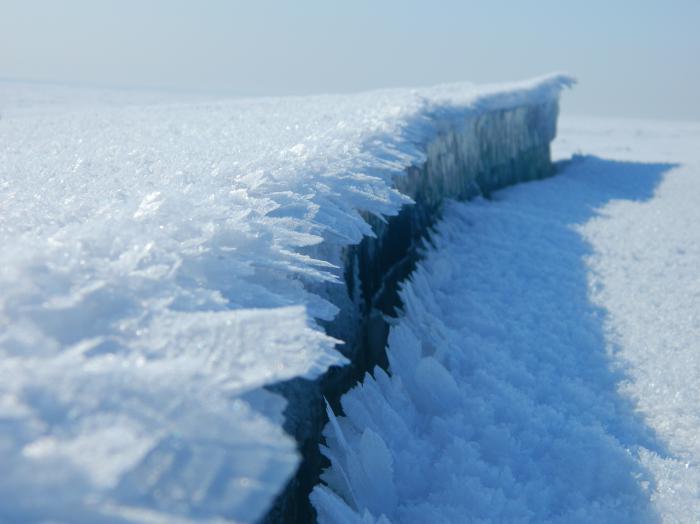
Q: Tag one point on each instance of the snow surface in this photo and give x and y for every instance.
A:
(547, 365)
(156, 256)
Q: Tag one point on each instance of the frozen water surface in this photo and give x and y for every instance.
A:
(546, 367)
(156, 256)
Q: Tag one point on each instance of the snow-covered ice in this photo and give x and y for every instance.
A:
(156, 256)
(546, 367)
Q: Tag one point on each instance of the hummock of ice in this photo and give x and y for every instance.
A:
(545, 367)
(155, 257)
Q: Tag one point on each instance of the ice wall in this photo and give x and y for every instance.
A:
(164, 260)
(468, 155)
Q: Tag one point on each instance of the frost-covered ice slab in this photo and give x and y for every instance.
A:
(547, 363)
(157, 256)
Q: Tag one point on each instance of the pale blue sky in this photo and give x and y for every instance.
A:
(633, 58)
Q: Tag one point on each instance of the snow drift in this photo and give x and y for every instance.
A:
(164, 260)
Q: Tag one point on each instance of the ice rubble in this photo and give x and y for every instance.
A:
(157, 261)
(544, 368)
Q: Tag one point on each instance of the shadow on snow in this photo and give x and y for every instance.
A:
(538, 381)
